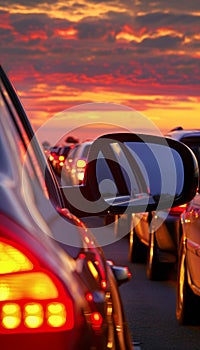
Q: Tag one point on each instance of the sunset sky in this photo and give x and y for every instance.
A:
(142, 54)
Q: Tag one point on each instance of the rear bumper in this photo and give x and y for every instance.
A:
(82, 338)
(43, 341)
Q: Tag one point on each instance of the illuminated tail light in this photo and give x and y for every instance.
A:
(103, 284)
(81, 163)
(96, 320)
(178, 210)
(31, 298)
(89, 297)
(13, 260)
(51, 158)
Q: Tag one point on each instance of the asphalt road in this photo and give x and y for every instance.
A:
(150, 307)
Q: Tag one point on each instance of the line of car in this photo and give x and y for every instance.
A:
(56, 286)
(166, 239)
(69, 161)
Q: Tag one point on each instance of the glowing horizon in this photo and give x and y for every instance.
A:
(60, 56)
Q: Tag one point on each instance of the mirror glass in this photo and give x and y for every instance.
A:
(139, 170)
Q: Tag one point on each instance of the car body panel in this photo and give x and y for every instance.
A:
(191, 231)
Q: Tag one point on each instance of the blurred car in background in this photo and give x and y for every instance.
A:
(188, 280)
(154, 237)
(53, 154)
(75, 163)
(59, 160)
(56, 289)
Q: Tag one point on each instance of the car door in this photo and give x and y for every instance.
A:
(192, 233)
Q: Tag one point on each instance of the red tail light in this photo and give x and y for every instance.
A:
(31, 298)
(96, 320)
(103, 284)
(178, 210)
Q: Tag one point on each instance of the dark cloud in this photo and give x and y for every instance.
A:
(28, 4)
(165, 42)
(25, 23)
(4, 32)
(93, 30)
(28, 22)
(175, 6)
(193, 45)
(158, 19)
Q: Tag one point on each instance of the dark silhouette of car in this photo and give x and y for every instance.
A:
(154, 237)
(188, 274)
(59, 159)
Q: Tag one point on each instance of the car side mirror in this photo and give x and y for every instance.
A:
(129, 173)
(122, 273)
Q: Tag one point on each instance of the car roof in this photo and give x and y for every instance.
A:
(180, 133)
(86, 143)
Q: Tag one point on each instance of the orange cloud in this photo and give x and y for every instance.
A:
(69, 33)
(101, 51)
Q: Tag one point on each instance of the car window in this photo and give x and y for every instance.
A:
(85, 151)
(105, 178)
(72, 153)
(139, 169)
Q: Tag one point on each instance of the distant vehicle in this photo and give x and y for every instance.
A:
(59, 160)
(53, 154)
(155, 234)
(75, 163)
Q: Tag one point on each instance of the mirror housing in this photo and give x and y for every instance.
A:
(122, 273)
(129, 173)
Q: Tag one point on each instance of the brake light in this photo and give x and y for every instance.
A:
(103, 284)
(13, 260)
(81, 163)
(34, 285)
(96, 320)
(89, 297)
(31, 297)
(51, 158)
(178, 210)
